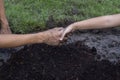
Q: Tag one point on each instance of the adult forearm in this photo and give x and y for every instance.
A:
(98, 22)
(13, 40)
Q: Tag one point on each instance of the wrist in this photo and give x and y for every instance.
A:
(73, 26)
(78, 25)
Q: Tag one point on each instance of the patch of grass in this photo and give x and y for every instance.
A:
(27, 16)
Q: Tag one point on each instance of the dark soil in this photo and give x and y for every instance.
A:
(106, 42)
(67, 62)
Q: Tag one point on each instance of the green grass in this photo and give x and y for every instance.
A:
(26, 16)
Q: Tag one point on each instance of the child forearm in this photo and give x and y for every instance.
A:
(98, 22)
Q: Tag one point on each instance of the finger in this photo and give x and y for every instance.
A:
(56, 43)
(67, 30)
(63, 35)
(65, 38)
(61, 28)
(60, 44)
(60, 32)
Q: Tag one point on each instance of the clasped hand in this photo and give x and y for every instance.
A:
(56, 35)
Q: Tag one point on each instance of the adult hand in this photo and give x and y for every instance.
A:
(69, 29)
(52, 36)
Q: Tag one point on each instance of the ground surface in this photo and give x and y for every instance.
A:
(68, 62)
(106, 42)
(75, 61)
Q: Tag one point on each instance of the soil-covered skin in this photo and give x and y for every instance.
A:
(67, 62)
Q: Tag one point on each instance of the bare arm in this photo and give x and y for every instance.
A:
(2, 11)
(13, 40)
(50, 37)
(94, 23)
(5, 25)
(98, 22)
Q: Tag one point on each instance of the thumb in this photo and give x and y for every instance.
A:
(66, 31)
(63, 35)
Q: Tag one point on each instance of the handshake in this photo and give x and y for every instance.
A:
(56, 35)
(51, 37)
